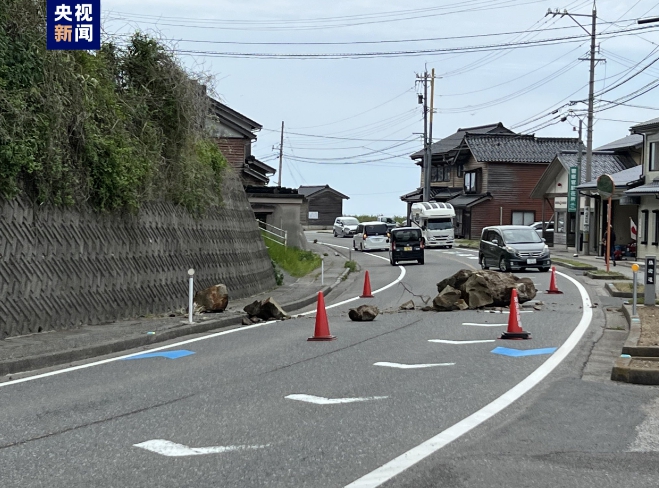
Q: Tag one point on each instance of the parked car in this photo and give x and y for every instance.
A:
(511, 247)
(391, 223)
(406, 244)
(345, 226)
(370, 236)
(537, 226)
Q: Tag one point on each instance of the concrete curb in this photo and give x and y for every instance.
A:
(31, 363)
(614, 292)
(631, 369)
(584, 267)
(595, 276)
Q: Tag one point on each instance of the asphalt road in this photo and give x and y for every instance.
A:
(262, 406)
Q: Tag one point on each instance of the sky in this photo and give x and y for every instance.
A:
(342, 76)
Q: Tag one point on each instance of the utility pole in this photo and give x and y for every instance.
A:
(432, 103)
(281, 153)
(589, 125)
(427, 129)
(577, 233)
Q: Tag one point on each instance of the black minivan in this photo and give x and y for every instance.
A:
(510, 247)
(406, 244)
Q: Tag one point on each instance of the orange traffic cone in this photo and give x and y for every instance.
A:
(514, 321)
(367, 287)
(552, 282)
(321, 332)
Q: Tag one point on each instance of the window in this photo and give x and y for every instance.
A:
(440, 173)
(560, 217)
(460, 170)
(471, 182)
(523, 217)
(654, 157)
(655, 241)
(646, 223)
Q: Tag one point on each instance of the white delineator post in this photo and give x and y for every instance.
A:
(191, 296)
(322, 270)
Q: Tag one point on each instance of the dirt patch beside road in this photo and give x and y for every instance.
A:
(649, 326)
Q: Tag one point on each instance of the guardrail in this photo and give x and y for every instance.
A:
(273, 233)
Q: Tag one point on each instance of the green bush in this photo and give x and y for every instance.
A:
(294, 261)
(115, 128)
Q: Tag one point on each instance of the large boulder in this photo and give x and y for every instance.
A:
(447, 299)
(363, 313)
(213, 299)
(481, 288)
(267, 309)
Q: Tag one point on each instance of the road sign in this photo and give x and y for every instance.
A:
(572, 183)
(650, 275)
(605, 186)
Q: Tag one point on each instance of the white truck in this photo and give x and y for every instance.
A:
(436, 220)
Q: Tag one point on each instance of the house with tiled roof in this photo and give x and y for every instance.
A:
(552, 190)
(648, 193)
(487, 173)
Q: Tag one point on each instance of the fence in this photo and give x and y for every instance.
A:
(273, 233)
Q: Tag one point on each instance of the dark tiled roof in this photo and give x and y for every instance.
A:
(517, 148)
(453, 141)
(463, 201)
(416, 196)
(602, 163)
(624, 143)
(620, 178)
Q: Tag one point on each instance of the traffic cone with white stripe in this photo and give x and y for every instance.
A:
(514, 320)
(321, 332)
(553, 289)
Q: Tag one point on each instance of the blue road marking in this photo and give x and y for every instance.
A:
(516, 353)
(164, 354)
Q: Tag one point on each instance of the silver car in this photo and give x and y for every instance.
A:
(345, 226)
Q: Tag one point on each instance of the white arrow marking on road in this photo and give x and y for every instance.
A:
(460, 342)
(330, 401)
(172, 449)
(483, 325)
(411, 366)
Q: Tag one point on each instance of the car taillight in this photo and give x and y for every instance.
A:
(393, 246)
(364, 236)
(422, 244)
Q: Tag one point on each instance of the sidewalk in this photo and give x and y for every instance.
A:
(622, 266)
(36, 351)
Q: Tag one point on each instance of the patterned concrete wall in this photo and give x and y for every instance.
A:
(62, 268)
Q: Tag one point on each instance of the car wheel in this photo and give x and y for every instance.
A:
(335, 234)
(544, 269)
(361, 247)
(421, 261)
(503, 266)
(354, 245)
(391, 260)
(450, 247)
(482, 263)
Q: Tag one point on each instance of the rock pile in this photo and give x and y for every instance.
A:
(363, 313)
(267, 309)
(213, 299)
(481, 288)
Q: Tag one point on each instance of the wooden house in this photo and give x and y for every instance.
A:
(487, 173)
(234, 134)
(323, 205)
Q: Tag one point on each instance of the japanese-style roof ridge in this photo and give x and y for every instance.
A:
(481, 127)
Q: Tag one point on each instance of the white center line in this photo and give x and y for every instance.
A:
(483, 325)
(411, 366)
(444, 341)
(330, 401)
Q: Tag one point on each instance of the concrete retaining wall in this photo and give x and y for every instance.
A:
(62, 268)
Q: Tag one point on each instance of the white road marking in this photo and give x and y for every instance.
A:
(466, 255)
(411, 366)
(505, 311)
(330, 401)
(196, 339)
(472, 257)
(483, 325)
(444, 341)
(172, 449)
(407, 459)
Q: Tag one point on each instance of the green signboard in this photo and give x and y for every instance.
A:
(572, 183)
